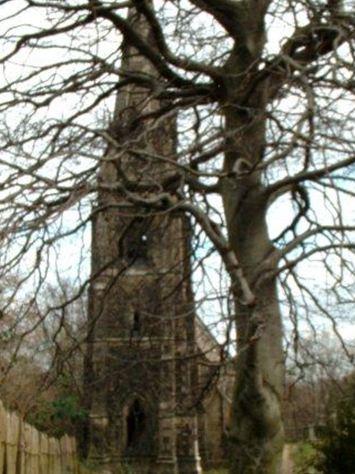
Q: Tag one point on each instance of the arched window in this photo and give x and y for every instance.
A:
(135, 424)
(138, 248)
(136, 241)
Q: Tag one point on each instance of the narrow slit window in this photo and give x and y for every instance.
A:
(136, 324)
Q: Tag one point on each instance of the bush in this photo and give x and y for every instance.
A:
(336, 447)
(58, 417)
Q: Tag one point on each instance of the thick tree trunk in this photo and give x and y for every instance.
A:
(256, 435)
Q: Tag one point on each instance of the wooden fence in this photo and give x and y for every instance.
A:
(25, 450)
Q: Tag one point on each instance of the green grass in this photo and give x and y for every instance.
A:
(216, 471)
(304, 455)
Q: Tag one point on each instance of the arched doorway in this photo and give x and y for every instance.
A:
(136, 421)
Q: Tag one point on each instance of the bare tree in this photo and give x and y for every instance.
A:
(314, 376)
(262, 94)
(41, 362)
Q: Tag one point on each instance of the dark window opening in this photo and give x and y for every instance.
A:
(136, 421)
(135, 241)
(136, 325)
(137, 248)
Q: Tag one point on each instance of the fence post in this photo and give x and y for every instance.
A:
(25, 450)
(58, 469)
(12, 441)
(44, 454)
(52, 456)
(3, 423)
(34, 450)
(65, 449)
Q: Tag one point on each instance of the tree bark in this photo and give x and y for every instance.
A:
(256, 434)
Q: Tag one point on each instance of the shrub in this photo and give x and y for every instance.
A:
(336, 447)
(58, 417)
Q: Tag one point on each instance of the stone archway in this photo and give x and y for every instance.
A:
(138, 425)
(135, 421)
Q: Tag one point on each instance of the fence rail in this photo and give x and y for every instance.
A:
(25, 450)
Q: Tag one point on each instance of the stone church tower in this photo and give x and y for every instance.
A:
(141, 350)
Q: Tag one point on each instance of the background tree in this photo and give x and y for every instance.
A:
(261, 91)
(41, 357)
(316, 377)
